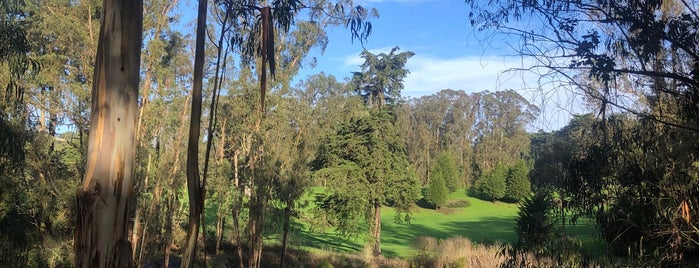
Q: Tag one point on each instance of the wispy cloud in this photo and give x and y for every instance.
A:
(429, 75)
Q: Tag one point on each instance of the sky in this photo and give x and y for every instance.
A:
(449, 54)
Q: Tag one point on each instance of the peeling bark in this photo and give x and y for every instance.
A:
(101, 233)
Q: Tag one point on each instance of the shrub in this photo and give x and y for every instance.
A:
(460, 203)
(534, 224)
(325, 264)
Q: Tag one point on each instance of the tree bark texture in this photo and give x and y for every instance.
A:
(101, 233)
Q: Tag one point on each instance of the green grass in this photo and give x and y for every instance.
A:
(481, 222)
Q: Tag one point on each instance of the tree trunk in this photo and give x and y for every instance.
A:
(101, 236)
(236, 228)
(171, 202)
(377, 228)
(193, 185)
(220, 225)
(254, 225)
(285, 235)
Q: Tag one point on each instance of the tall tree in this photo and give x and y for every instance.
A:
(365, 165)
(101, 237)
(381, 78)
(194, 185)
(369, 152)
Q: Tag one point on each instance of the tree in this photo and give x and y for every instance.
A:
(446, 168)
(492, 185)
(194, 185)
(101, 237)
(650, 44)
(254, 26)
(442, 122)
(437, 191)
(518, 185)
(381, 78)
(500, 129)
(443, 180)
(366, 167)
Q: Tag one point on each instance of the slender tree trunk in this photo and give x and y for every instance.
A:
(255, 217)
(220, 224)
(287, 219)
(101, 233)
(377, 228)
(168, 227)
(193, 184)
(236, 228)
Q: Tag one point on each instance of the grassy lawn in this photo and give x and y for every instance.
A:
(481, 222)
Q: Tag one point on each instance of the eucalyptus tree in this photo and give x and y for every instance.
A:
(252, 35)
(633, 57)
(500, 128)
(442, 122)
(38, 163)
(162, 62)
(101, 237)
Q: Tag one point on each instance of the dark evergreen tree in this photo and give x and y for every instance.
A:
(518, 185)
(437, 191)
(493, 184)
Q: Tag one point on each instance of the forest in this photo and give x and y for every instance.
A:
(129, 138)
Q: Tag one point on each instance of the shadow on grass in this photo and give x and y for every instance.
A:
(325, 240)
(487, 230)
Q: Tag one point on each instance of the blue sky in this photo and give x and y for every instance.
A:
(449, 54)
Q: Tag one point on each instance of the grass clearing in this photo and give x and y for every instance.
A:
(480, 222)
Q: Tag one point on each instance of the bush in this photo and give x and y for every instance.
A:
(460, 203)
(534, 224)
(325, 264)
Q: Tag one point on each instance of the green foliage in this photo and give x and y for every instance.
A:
(325, 264)
(518, 185)
(381, 79)
(535, 221)
(436, 192)
(493, 184)
(363, 163)
(445, 167)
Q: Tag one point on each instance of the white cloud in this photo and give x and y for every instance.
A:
(471, 74)
(429, 75)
